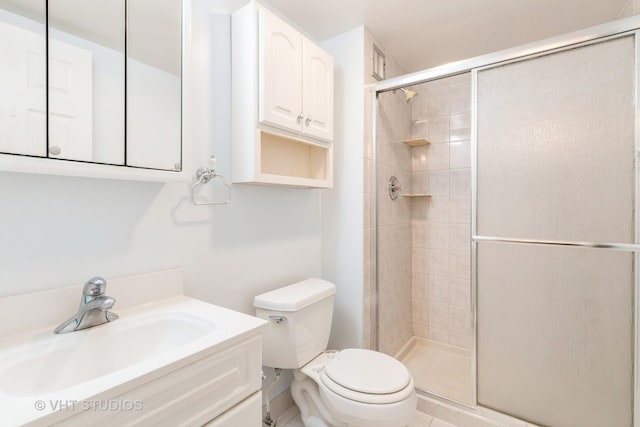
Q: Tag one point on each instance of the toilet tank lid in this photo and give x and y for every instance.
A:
(296, 296)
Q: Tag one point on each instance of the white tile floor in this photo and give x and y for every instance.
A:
(440, 369)
(419, 420)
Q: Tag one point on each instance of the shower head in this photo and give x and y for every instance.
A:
(409, 94)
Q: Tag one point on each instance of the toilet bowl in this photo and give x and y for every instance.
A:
(356, 388)
(350, 387)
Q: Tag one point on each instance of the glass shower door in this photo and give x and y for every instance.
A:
(555, 168)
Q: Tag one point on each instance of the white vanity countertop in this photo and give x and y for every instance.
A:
(39, 370)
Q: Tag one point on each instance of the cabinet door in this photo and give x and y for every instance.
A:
(154, 86)
(70, 102)
(280, 50)
(22, 86)
(86, 79)
(317, 90)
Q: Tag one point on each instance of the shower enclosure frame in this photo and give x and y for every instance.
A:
(600, 33)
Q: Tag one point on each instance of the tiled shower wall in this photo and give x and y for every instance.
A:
(440, 224)
(394, 223)
(393, 158)
(424, 244)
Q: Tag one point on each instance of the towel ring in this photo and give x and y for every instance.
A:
(205, 175)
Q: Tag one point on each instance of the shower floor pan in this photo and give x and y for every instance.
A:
(439, 368)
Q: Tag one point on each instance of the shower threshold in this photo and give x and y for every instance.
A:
(439, 368)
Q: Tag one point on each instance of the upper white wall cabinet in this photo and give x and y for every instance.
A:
(296, 80)
(282, 103)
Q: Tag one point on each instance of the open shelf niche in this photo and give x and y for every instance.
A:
(416, 142)
(416, 195)
(295, 161)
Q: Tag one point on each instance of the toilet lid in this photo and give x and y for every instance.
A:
(367, 371)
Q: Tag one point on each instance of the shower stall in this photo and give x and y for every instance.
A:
(506, 235)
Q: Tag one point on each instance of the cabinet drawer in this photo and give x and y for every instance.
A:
(248, 413)
(188, 396)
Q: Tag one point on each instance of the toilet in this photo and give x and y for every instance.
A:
(351, 387)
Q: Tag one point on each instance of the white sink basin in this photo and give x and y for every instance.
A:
(41, 366)
(57, 362)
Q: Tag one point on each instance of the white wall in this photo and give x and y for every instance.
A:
(59, 231)
(347, 230)
(342, 236)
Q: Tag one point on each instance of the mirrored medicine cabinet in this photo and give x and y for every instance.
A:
(91, 82)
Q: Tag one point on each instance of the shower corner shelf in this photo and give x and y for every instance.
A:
(416, 142)
(416, 195)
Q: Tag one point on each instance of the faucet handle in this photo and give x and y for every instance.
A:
(94, 287)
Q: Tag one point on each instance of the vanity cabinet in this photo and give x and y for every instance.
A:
(216, 388)
(169, 360)
(282, 103)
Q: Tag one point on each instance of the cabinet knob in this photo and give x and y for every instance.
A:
(54, 150)
(299, 118)
(307, 120)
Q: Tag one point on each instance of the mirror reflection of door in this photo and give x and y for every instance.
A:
(86, 80)
(70, 102)
(22, 77)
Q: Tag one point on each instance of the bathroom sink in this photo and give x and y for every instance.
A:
(40, 366)
(57, 362)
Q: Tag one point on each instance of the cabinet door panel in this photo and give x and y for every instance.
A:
(154, 91)
(70, 102)
(22, 79)
(317, 89)
(280, 73)
(86, 60)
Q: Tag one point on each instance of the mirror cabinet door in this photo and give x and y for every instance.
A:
(23, 77)
(154, 40)
(114, 75)
(87, 80)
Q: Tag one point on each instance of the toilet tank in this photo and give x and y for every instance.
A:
(299, 317)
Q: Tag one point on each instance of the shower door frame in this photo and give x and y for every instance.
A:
(600, 33)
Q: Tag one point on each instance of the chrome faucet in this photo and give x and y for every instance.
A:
(94, 308)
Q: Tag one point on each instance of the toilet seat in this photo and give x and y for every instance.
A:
(366, 376)
(392, 406)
